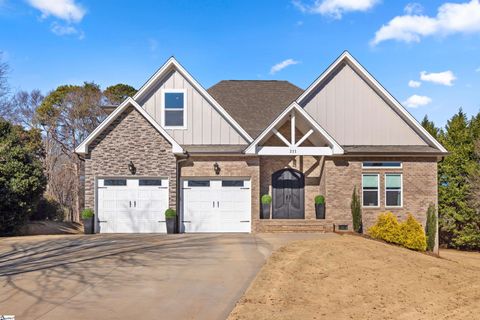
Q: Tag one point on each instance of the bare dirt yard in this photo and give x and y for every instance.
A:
(349, 277)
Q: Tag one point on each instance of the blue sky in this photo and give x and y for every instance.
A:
(52, 42)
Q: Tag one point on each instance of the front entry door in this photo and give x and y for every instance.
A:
(288, 194)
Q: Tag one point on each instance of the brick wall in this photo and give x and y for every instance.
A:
(419, 188)
(130, 137)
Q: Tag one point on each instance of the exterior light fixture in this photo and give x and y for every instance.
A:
(216, 168)
(131, 168)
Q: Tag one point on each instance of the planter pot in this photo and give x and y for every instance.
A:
(265, 211)
(170, 225)
(88, 225)
(320, 211)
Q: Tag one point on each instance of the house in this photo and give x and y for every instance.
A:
(212, 153)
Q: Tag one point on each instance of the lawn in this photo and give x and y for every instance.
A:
(350, 277)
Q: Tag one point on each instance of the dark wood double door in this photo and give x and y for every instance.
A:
(288, 194)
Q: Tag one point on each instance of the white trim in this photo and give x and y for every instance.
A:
(305, 137)
(292, 127)
(346, 56)
(83, 147)
(378, 189)
(184, 109)
(173, 63)
(386, 167)
(253, 148)
(401, 188)
(279, 135)
(294, 151)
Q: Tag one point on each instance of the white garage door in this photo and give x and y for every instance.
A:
(132, 205)
(211, 205)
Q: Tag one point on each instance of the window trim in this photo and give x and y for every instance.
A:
(386, 167)
(185, 108)
(378, 190)
(401, 188)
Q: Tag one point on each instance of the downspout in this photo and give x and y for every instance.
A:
(177, 197)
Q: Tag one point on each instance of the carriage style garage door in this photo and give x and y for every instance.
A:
(132, 205)
(213, 205)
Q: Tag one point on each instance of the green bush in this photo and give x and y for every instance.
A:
(48, 209)
(22, 181)
(266, 199)
(356, 209)
(409, 233)
(87, 213)
(431, 228)
(319, 199)
(170, 213)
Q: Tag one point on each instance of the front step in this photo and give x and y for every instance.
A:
(289, 225)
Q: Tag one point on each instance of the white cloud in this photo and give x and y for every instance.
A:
(66, 10)
(413, 8)
(416, 101)
(282, 65)
(445, 78)
(414, 84)
(335, 8)
(65, 30)
(451, 18)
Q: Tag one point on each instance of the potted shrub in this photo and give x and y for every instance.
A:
(87, 217)
(320, 207)
(266, 201)
(170, 217)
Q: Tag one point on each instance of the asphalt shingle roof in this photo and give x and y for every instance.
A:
(254, 104)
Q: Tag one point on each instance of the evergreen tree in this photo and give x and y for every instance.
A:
(430, 127)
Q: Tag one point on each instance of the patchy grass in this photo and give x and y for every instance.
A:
(351, 277)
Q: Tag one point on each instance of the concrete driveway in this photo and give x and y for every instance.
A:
(198, 276)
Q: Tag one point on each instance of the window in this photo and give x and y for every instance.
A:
(381, 164)
(370, 190)
(149, 182)
(232, 183)
(174, 102)
(199, 183)
(393, 190)
(115, 182)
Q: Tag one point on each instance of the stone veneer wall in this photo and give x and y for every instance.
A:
(419, 188)
(130, 137)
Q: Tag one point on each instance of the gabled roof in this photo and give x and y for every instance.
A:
(83, 147)
(172, 63)
(346, 57)
(254, 103)
(336, 148)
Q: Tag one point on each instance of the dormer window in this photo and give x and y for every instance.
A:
(174, 108)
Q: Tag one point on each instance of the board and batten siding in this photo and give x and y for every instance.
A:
(354, 114)
(205, 125)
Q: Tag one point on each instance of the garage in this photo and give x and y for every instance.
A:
(132, 205)
(216, 205)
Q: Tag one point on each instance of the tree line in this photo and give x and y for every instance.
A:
(41, 177)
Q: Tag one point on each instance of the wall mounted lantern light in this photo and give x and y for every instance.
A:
(216, 168)
(131, 168)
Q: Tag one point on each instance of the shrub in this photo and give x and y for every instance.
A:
(409, 233)
(386, 228)
(319, 199)
(266, 199)
(22, 181)
(87, 213)
(412, 235)
(431, 227)
(48, 209)
(356, 211)
(170, 213)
